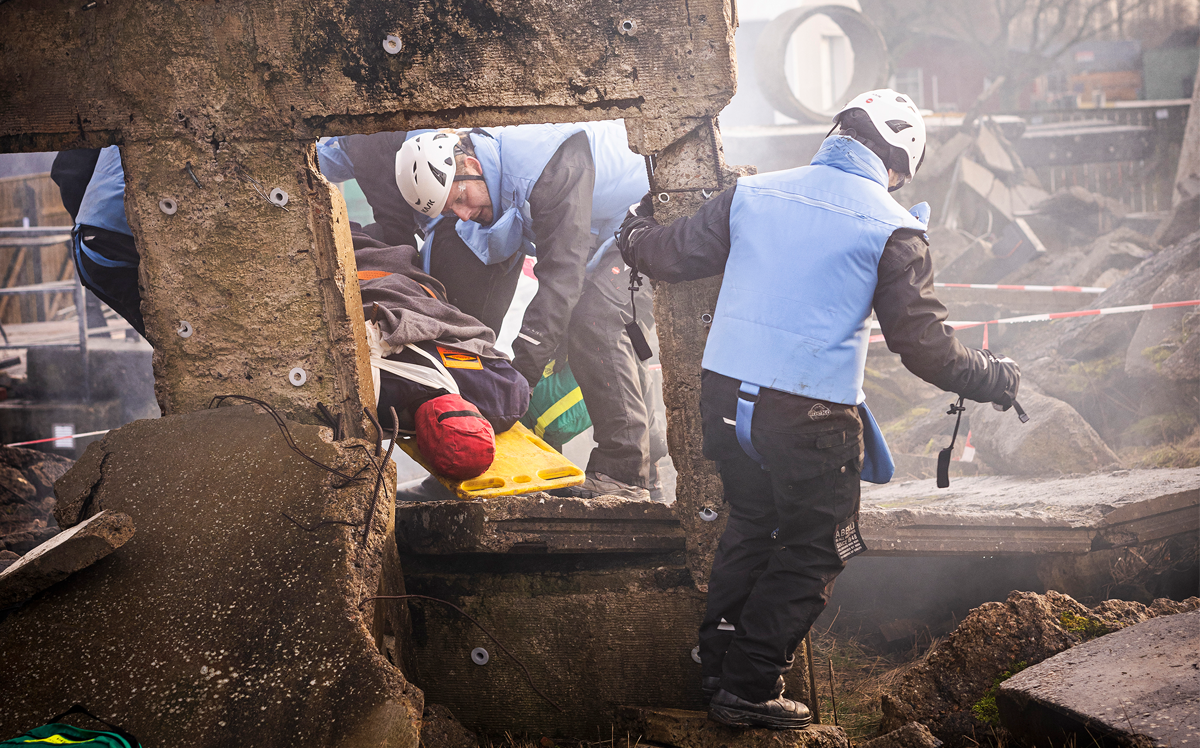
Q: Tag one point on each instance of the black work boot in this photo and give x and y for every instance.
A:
(709, 685)
(777, 714)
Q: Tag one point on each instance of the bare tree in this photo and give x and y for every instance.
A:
(1019, 39)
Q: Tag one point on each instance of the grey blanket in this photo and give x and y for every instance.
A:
(410, 306)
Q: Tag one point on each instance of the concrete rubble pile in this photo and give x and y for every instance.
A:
(240, 610)
(1101, 391)
(27, 498)
(952, 690)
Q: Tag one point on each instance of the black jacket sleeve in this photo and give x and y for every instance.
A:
(692, 247)
(560, 204)
(71, 171)
(374, 159)
(913, 322)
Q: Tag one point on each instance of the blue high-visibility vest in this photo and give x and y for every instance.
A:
(793, 310)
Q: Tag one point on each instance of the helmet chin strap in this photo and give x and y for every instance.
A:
(468, 177)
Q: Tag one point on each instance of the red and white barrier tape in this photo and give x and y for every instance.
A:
(58, 438)
(1045, 289)
(1063, 315)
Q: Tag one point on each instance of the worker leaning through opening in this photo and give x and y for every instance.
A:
(557, 192)
(806, 253)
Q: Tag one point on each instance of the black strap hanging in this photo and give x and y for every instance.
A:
(636, 336)
(943, 467)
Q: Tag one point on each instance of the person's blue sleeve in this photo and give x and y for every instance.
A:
(334, 162)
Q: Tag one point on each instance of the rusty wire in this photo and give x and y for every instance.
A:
(287, 435)
(382, 466)
(481, 627)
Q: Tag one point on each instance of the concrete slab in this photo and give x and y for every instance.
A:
(1006, 515)
(1139, 686)
(63, 555)
(221, 619)
(537, 523)
(685, 729)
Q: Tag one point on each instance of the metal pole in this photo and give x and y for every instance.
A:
(81, 315)
(812, 679)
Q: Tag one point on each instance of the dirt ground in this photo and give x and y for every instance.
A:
(860, 675)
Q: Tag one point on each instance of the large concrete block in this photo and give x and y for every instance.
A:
(221, 620)
(1056, 440)
(595, 632)
(1137, 686)
(234, 71)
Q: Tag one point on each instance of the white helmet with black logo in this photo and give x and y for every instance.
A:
(425, 170)
(896, 119)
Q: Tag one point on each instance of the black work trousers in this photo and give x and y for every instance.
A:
(776, 561)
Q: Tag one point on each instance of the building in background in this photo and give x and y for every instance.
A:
(941, 74)
(1169, 70)
(1090, 74)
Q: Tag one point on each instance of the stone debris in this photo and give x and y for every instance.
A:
(948, 689)
(27, 497)
(439, 729)
(677, 728)
(221, 619)
(1056, 440)
(1136, 686)
(63, 555)
(911, 735)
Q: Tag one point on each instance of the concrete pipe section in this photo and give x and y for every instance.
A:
(870, 59)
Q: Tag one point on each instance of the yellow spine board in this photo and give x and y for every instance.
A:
(524, 464)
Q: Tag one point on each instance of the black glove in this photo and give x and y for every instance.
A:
(1008, 374)
(638, 218)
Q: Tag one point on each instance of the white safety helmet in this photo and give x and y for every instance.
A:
(425, 170)
(896, 119)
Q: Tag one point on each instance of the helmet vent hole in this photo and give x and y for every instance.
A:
(440, 177)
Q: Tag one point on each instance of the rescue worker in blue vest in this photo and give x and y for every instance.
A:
(92, 184)
(557, 192)
(807, 253)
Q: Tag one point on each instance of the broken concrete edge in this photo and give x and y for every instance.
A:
(64, 554)
(910, 735)
(1067, 694)
(945, 689)
(537, 522)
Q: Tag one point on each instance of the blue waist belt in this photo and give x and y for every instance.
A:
(878, 465)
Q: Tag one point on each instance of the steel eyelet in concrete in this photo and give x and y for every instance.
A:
(184, 329)
(480, 656)
(707, 514)
(297, 377)
(664, 197)
(696, 655)
(392, 44)
(870, 59)
(168, 205)
(278, 197)
(628, 27)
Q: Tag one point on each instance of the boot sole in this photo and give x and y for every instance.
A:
(740, 718)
